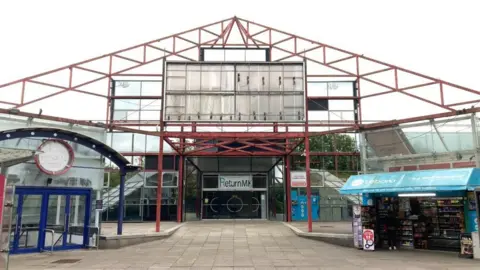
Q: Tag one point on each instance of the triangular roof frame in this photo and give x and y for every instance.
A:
(287, 46)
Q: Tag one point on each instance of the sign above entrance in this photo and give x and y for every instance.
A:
(298, 179)
(235, 182)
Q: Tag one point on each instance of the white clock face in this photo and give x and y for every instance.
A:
(55, 156)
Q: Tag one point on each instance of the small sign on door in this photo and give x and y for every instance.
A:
(99, 204)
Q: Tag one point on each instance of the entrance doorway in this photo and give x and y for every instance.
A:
(234, 205)
(49, 219)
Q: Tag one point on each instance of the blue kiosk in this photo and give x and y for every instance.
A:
(435, 207)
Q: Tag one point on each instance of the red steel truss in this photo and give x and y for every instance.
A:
(338, 64)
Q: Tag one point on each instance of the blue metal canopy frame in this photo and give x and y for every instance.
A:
(98, 146)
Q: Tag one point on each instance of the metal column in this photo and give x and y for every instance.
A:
(180, 189)
(307, 154)
(121, 202)
(309, 188)
(475, 140)
(286, 176)
(159, 185)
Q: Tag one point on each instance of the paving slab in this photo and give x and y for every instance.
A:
(240, 245)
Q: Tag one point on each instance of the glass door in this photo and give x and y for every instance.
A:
(57, 224)
(49, 219)
(76, 220)
(27, 223)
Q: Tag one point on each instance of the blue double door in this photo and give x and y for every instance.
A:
(49, 219)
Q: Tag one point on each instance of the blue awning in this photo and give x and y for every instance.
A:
(413, 181)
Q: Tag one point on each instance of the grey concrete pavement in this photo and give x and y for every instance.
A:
(109, 229)
(325, 227)
(240, 245)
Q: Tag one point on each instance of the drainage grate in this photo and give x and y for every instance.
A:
(67, 261)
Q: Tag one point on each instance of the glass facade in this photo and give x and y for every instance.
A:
(141, 197)
(234, 92)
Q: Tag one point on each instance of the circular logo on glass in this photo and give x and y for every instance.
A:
(55, 158)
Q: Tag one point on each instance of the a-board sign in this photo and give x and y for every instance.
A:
(466, 245)
(368, 237)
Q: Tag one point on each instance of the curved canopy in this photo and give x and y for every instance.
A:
(44, 132)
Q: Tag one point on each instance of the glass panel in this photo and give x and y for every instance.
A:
(211, 78)
(170, 179)
(228, 80)
(242, 78)
(193, 80)
(245, 107)
(139, 141)
(28, 228)
(256, 81)
(126, 104)
(153, 88)
(276, 78)
(259, 181)
(56, 219)
(174, 66)
(121, 115)
(151, 180)
(210, 181)
(263, 73)
(153, 143)
(77, 220)
(122, 142)
(127, 88)
(151, 105)
(150, 115)
(192, 211)
(175, 84)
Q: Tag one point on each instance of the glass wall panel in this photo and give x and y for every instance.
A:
(176, 83)
(193, 80)
(211, 78)
(153, 143)
(228, 79)
(239, 80)
(151, 104)
(139, 141)
(127, 88)
(151, 88)
(122, 141)
(276, 78)
(150, 115)
(126, 104)
(210, 181)
(242, 78)
(191, 193)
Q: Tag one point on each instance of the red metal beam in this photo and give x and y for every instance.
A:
(236, 153)
(313, 154)
(233, 135)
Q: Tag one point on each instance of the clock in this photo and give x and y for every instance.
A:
(55, 158)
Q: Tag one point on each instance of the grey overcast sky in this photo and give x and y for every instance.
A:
(439, 38)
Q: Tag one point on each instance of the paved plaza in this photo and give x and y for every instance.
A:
(239, 245)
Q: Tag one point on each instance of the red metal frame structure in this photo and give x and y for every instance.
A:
(341, 64)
